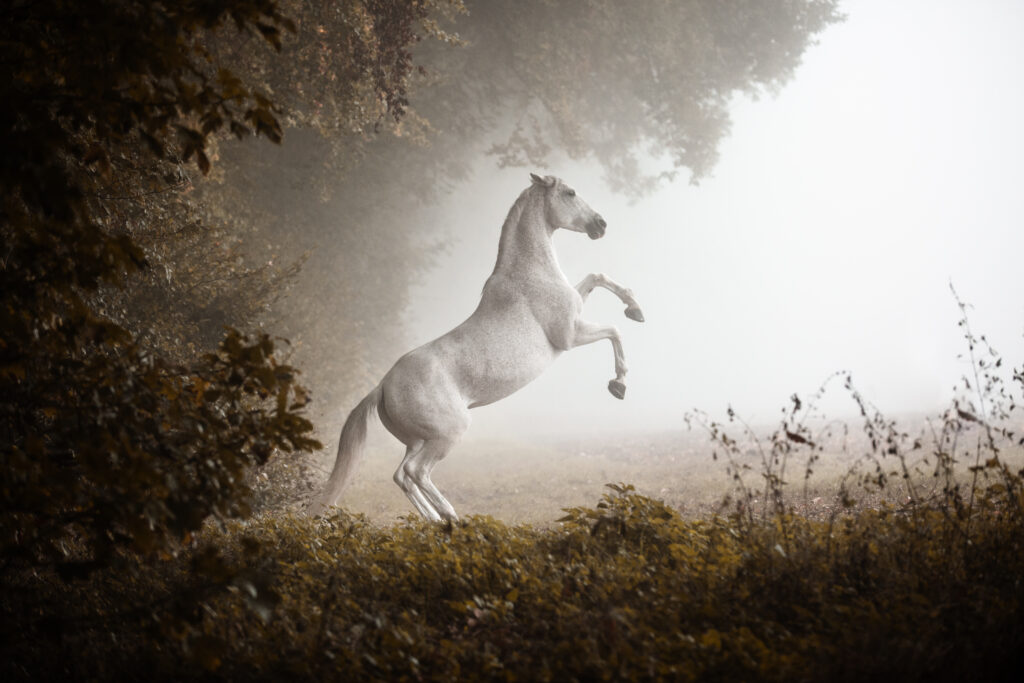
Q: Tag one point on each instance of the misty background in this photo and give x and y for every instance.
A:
(824, 240)
(790, 190)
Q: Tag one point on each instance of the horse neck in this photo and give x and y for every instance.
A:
(526, 238)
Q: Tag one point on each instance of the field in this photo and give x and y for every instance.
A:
(530, 481)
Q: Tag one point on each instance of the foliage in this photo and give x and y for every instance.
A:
(105, 445)
(341, 72)
(122, 450)
(349, 68)
(625, 590)
(211, 262)
(82, 78)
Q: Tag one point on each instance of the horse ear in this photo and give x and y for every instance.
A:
(536, 179)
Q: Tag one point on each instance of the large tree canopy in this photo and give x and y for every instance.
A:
(613, 78)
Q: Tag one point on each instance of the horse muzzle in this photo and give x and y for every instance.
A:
(596, 228)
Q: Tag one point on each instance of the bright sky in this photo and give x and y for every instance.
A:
(826, 239)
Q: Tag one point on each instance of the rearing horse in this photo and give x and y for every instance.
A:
(528, 315)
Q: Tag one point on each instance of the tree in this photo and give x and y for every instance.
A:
(123, 423)
(103, 444)
(611, 79)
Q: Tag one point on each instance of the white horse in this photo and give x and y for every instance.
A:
(528, 315)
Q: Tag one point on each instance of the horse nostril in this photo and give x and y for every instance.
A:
(600, 221)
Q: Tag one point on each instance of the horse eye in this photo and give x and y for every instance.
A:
(571, 193)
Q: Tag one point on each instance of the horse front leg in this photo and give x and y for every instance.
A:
(588, 333)
(587, 285)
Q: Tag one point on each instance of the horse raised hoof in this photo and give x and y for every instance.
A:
(617, 388)
(634, 313)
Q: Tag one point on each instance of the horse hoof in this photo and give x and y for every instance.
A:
(634, 313)
(617, 388)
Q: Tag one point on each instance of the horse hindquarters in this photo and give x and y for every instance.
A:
(423, 407)
(420, 401)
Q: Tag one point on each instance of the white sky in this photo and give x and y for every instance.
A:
(825, 240)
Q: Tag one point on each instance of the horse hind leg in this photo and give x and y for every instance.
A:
(418, 469)
(408, 483)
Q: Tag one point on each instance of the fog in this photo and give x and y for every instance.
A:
(825, 240)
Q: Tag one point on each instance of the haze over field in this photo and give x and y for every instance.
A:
(825, 239)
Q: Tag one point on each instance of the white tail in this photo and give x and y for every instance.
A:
(350, 449)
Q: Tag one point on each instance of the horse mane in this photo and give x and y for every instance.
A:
(509, 226)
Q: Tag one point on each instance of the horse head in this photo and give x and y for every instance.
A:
(564, 209)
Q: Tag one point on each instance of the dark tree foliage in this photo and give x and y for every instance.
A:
(219, 257)
(349, 66)
(103, 444)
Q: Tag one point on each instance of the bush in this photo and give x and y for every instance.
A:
(627, 589)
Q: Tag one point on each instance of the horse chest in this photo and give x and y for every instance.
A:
(538, 309)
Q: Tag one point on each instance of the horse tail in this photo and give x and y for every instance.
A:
(350, 450)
